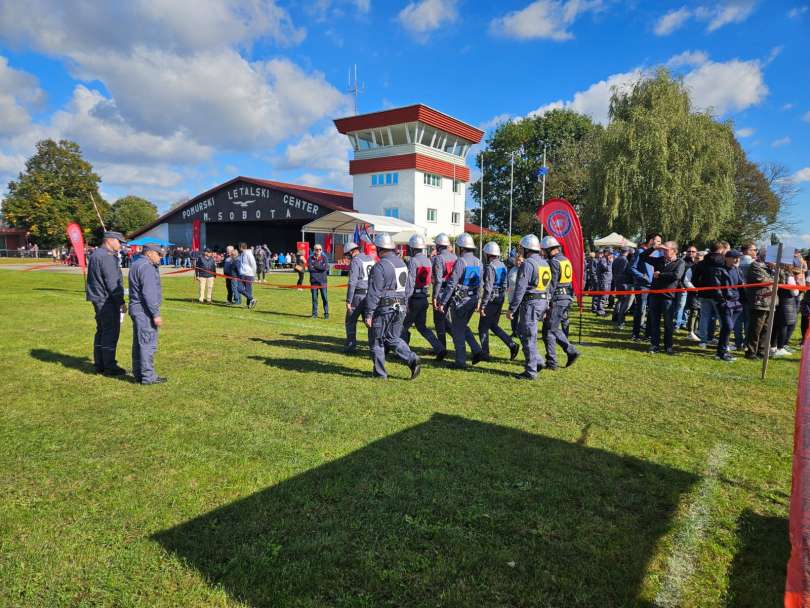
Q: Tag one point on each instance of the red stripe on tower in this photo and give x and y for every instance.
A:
(410, 161)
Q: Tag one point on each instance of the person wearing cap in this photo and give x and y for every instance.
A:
(388, 287)
(318, 272)
(145, 298)
(604, 281)
(530, 303)
(727, 299)
(668, 270)
(359, 268)
(419, 275)
(491, 304)
(622, 281)
(205, 269)
(459, 297)
(105, 290)
(562, 294)
(443, 263)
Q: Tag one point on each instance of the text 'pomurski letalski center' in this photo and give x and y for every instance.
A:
(408, 166)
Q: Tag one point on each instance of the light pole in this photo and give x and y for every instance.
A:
(543, 171)
(481, 211)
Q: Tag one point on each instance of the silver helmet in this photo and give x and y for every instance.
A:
(442, 240)
(465, 241)
(492, 248)
(530, 242)
(417, 241)
(384, 241)
(350, 246)
(549, 242)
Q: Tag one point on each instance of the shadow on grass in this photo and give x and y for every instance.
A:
(451, 512)
(82, 364)
(58, 289)
(757, 575)
(310, 365)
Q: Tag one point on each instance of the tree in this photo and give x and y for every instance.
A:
(570, 141)
(130, 213)
(662, 166)
(54, 190)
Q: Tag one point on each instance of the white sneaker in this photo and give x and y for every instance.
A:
(788, 350)
(702, 345)
(713, 342)
(732, 347)
(693, 336)
(781, 353)
(773, 350)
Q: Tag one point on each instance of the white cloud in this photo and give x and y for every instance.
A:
(326, 151)
(120, 174)
(798, 11)
(332, 180)
(688, 58)
(782, 141)
(745, 132)
(495, 121)
(806, 117)
(547, 19)
(728, 86)
(18, 91)
(787, 106)
(802, 175)
(671, 21)
(421, 18)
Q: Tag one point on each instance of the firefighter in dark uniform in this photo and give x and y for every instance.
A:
(105, 289)
(359, 267)
(561, 292)
(443, 263)
(419, 274)
(145, 298)
(385, 308)
(491, 303)
(459, 297)
(530, 303)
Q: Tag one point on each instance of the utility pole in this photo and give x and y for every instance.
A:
(511, 197)
(355, 87)
(481, 211)
(543, 171)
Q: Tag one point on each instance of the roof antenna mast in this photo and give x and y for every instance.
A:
(355, 87)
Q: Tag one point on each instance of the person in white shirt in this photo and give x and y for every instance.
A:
(246, 265)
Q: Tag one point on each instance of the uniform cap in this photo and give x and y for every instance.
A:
(733, 253)
(112, 234)
(549, 242)
(152, 247)
(530, 242)
(442, 240)
(384, 241)
(465, 241)
(350, 246)
(417, 241)
(492, 248)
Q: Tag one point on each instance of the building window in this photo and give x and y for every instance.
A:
(455, 218)
(431, 179)
(431, 215)
(391, 212)
(457, 187)
(385, 179)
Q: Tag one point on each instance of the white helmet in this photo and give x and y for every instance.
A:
(465, 241)
(384, 241)
(417, 241)
(530, 242)
(442, 240)
(350, 246)
(492, 248)
(549, 242)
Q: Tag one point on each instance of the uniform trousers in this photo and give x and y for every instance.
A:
(108, 329)
(417, 316)
(385, 332)
(358, 306)
(460, 312)
(553, 333)
(490, 321)
(144, 346)
(530, 314)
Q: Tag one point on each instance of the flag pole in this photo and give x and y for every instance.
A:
(103, 227)
(543, 191)
(511, 198)
(481, 211)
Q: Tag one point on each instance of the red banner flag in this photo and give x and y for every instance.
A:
(797, 585)
(562, 222)
(74, 233)
(327, 243)
(196, 229)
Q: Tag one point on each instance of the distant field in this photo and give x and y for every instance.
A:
(272, 471)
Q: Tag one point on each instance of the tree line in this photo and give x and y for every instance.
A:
(659, 165)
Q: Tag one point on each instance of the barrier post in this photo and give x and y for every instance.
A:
(772, 309)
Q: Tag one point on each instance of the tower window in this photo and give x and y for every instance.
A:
(431, 179)
(455, 217)
(385, 179)
(431, 215)
(391, 212)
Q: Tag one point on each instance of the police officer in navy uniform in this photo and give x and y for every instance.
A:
(385, 308)
(419, 275)
(530, 303)
(443, 263)
(491, 304)
(604, 280)
(459, 298)
(359, 267)
(561, 292)
(105, 289)
(145, 298)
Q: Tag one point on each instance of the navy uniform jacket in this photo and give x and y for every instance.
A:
(494, 282)
(442, 267)
(318, 269)
(205, 267)
(359, 269)
(388, 280)
(562, 274)
(419, 274)
(466, 275)
(534, 277)
(604, 274)
(105, 284)
(145, 293)
(620, 272)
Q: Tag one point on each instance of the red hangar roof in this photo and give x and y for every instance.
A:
(414, 113)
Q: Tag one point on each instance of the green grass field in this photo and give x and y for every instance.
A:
(272, 471)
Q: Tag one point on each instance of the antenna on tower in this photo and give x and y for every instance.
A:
(355, 87)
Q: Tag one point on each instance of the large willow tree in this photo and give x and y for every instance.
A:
(662, 166)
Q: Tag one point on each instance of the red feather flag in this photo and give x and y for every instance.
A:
(562, 222)
(74, 234)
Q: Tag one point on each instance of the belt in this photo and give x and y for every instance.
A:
(535, 296)
(421, 291)
(391, 302)
(562, 291)
(360, 292)
(465, 291)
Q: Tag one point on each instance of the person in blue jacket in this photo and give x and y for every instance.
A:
(318, 272)
(359, 268)
(491, 304)
(642, 279)
(145, 298)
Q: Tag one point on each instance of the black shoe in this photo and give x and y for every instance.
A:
(349, 349)
(157, 380)
(115, 371)
(670, 351)
(725, 357)
(326, 315)
(477, 357)
(635, 339)
(441, 355)
(514, 349)
(458, 366)
(378, 377)
(314, 316)
(572, 358)
(653, 350)
(753, 357)
(523, 376)
(551, 368)
(415, 368)
(620, 326)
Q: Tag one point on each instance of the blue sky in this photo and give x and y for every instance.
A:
(171, 97)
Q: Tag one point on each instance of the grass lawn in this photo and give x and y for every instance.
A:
(272, 471)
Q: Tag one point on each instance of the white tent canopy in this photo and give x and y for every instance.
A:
(343, 222)
(402, 238)
(614, 240)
